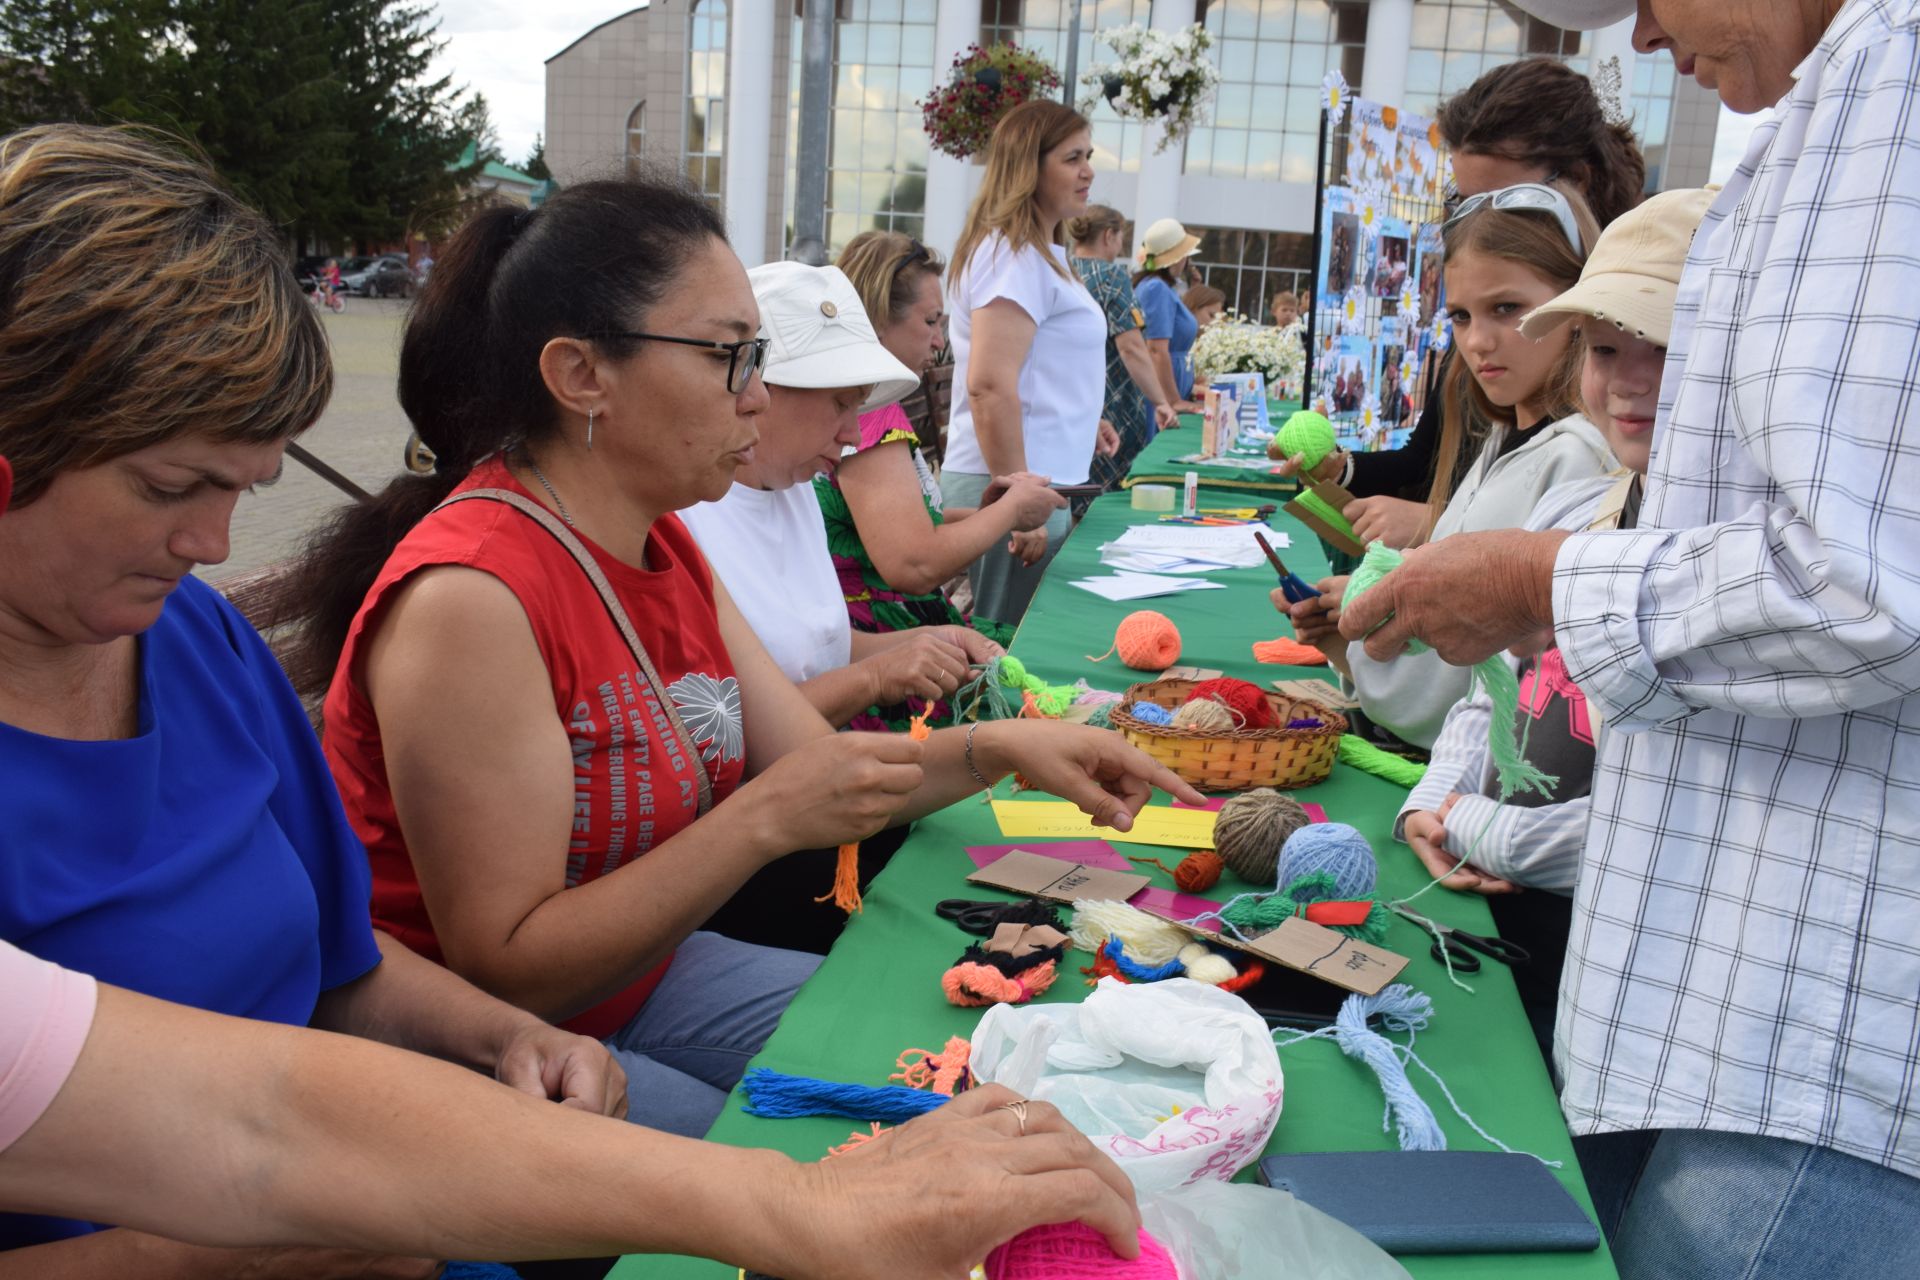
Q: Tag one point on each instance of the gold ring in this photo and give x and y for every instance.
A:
(1019, 1110)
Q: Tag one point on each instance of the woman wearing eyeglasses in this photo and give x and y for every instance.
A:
(560, 741)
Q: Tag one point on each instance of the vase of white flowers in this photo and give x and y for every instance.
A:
(1160, 75)
(1234, 344)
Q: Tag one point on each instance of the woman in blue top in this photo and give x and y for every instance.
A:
(171, 824)
(1170, 327)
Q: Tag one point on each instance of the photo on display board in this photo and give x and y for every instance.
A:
(1372, 144)
(1427, 262)
(1417, 162)
(1340, 236)
(1390, 264)
(1396, 407)
(1346, 377)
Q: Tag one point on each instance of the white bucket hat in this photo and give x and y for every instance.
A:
(819, 335)
(1579, 15)
(1633, 273)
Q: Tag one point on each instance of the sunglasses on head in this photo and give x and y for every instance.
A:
(1526, 197)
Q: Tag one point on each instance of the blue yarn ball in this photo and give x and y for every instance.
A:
(1150, 713)
(1333, 847)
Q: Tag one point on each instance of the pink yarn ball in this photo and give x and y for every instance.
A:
(1070, 1251)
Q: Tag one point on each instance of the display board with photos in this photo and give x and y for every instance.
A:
(1377, 325)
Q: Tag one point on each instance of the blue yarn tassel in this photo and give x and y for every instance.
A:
(1136, 971)
(779, 1096)
(1401, 1008)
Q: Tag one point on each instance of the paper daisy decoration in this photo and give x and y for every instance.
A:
(1334, 94)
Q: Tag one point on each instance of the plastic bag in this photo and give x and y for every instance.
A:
(1219, 1231)
(1178, 1081)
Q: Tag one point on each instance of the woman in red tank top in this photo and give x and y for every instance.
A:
(545, 814)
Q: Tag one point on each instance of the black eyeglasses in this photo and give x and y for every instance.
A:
(743, 357)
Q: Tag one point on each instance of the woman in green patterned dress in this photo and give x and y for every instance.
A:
(892, 542)
(1136, 404)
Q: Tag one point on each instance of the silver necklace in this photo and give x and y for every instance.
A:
(547, 484)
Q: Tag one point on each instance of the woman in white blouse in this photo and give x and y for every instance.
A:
(1028, 341)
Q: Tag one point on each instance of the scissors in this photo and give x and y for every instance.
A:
(1459, 945)
(1291, 584)
(976, 918)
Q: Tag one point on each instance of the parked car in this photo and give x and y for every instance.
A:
(386, 276)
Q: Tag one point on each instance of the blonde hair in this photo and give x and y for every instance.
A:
(1534, 240)
(1094, 223)
(140, 301)
(886, 268)
(1006, 203)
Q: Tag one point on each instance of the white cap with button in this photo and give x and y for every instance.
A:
(819, 334)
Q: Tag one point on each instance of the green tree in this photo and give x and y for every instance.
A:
(535, 165)
(475, 123)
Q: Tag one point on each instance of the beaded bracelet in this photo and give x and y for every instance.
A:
(972, 768)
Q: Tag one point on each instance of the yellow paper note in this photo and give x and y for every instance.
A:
(1056, 819)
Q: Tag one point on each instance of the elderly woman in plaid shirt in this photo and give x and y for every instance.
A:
(1739, 1024)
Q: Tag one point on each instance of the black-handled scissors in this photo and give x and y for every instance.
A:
(1459, 945)
(976, 918)
(1292, 585)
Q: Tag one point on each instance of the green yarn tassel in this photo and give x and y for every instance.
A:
(994, 694)
(1360, 754)
(1255, 914)
(1493, 674)
(1333, 519)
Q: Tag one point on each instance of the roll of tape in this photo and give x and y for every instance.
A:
(1152, 497)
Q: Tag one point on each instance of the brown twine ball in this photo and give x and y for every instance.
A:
(1198, 872)
(1251, 829)
(1206, 716)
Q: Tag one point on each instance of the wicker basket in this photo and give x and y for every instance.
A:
(1241, 758)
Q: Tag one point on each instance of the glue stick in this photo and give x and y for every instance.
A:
(1190, 499)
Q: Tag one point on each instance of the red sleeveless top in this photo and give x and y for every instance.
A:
(634, 784)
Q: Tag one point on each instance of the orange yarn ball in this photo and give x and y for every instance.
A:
(1198, 872)
(1147, 641)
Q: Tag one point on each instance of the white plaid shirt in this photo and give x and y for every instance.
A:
(1746, 940)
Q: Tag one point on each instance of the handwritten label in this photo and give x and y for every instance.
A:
(1310, 948)
(1058, 881)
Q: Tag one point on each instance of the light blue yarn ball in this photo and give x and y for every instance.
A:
(1333, 847)
(1150, 713)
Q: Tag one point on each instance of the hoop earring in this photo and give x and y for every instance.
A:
(590, 430)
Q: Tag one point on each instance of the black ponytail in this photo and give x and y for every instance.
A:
(593, 258)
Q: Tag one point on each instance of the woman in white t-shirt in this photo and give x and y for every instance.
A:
(1029, 341)
(766, 539)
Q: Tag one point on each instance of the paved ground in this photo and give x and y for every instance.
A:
(361, 434)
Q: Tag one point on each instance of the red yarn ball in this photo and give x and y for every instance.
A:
(1070, 1251)
(1198, 872)
(1249, 705)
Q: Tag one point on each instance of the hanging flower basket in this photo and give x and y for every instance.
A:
(959, 116)
(1161, 75)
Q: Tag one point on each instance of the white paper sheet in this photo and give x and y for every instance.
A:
(1228, 546)
(1140, 586)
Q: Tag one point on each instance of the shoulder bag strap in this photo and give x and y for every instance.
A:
(591, 567)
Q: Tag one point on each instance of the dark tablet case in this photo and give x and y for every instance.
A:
(1439, 1201)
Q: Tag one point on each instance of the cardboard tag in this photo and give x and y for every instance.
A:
(1324, 692)
(1309, 948)
(1058, 881)
(1195, 674)
(1337, 498)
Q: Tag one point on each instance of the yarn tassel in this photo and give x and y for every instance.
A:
(1356, 752)
(1401, 1008)
(846, 880)
(1137, 972)
(1515, 771)
(776, 1095)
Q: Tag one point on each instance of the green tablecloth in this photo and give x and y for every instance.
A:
(1155, 463)
(878, 993)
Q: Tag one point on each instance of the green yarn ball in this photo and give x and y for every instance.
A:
(1309, 434)
(1013, 672)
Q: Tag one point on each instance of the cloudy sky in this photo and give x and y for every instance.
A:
(500, 47)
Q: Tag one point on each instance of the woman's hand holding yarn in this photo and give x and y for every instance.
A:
(1106, 776)
(977, 647)
(937, 1194)
(1328, 468)
(1395, 521)
(837, 789)
(1468, 596)
(927, 664)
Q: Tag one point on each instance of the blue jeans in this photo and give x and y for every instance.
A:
(1735, 1206)
(1002, 586)
(689, 1044)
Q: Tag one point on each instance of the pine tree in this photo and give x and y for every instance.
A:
(535, 165)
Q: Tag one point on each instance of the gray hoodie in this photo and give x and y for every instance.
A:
(1412, 694)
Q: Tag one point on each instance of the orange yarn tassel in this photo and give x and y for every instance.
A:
(846, 869)
(856, 1139)
(978, 985)
(946, 1073)
(1289, 652)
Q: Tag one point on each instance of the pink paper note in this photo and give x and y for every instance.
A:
(1098, 853)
